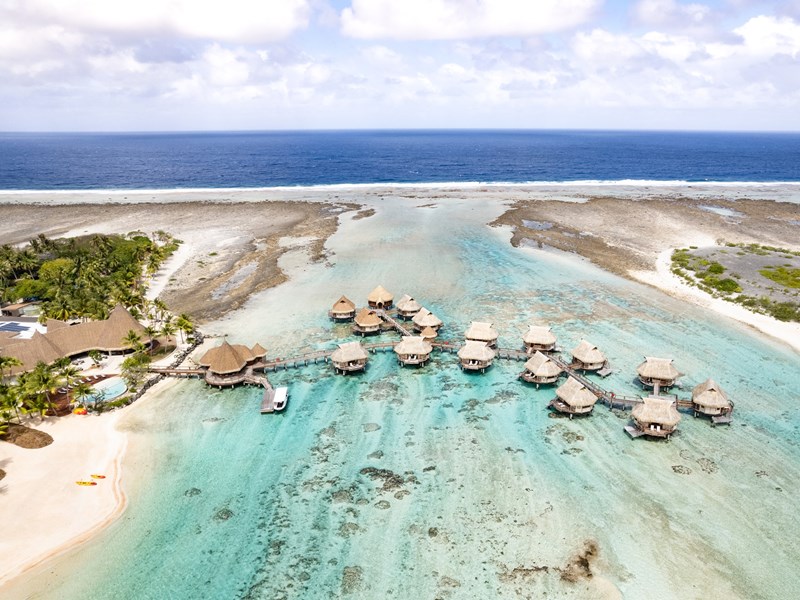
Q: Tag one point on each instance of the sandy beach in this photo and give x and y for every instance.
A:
(234, 240)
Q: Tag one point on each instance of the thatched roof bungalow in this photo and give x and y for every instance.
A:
(540, 369)
(349, 357)
(380, 298)
(62, 340)
(482, 332)
(228, 364)
(425, 318)
(574, 398)
(367, 321)
(709, 399)
(657, 371)
(407, 307)
(429, 333)
(413, 350)
(586, 357)
(343, 310)
(539, 339)
(476, 356)
(656, 416)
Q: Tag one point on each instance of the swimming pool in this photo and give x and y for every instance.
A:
(108, 389)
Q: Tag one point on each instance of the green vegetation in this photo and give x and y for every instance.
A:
(83, 277)
(789, 278)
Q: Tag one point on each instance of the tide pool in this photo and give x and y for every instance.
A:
(432, 483)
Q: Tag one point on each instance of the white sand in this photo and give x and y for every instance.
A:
(43, 510)
(665, 280)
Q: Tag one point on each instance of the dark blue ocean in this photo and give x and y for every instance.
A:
(263, 159)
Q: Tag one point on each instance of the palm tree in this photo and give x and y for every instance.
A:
(132, 339)
(8, 362)
(185, 324)
(168, 329)
(81, 392)
(151, 333)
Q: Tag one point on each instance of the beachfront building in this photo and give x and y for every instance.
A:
(656, 416)
(709, 399)
(586, 357)
(367, 322)
(407, 307)
(380, 298)
(573, 398)
(349, 358)
(476, 356)
(425, 318)
(540, 369)
(62, 340)
(343, 310)
(228, 364)
(17, 309)
(539, 339)
(429, 333)
(657, 372)
(413, 350)
(482, 332)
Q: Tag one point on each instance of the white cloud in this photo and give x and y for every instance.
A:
(461, 19)
(767, 36)
(240, 21)
(668, 13)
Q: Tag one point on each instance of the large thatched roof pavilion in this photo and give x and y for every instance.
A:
(380, 298)
(367, 321)
(349, 357)
(540, 369)
(539, 339)
(476, 356)
(657, 372)
(656, 416)
(413, 350)
(574, 398)
(480, 331)
(407, 307)
(343, 309)
(228, 364)
(586, 357)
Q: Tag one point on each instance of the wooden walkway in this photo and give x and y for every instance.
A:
(397, 325)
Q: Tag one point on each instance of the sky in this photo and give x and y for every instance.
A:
(164, 65)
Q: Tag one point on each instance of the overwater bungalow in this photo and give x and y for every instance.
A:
(429, 333)
(366, 322)
(413, 350)
(476, 356)
(657, 372)
(709, 399)
(539, 339)
(656, 416)
(573, 398)
(586, 357)
(343, 310)
(407, 307)
(425, 318)
(482, 332)
(231, 364)
(349, 357)
(380, 298)
(540, 369)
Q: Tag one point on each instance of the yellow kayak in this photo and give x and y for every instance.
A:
(86, 482)
(98, 476)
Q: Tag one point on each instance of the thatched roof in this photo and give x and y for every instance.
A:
(657, 368)
(710, 394)
(586, 352)
(538, 334)
(473, 350)
(483, 332)
(541, 366)
(53, 324)
(348, 352)
(425, 318)
(408, 304)
(429, 333)
(657, 410)
(258, 351)
(575, 394)
(379, 294)
(70, 340)
(413, 345)
(367, 318)
(343, 305)
(226, 358)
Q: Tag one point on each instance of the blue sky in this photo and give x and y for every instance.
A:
(111, 65)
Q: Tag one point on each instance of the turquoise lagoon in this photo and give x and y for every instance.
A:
(430, 483)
